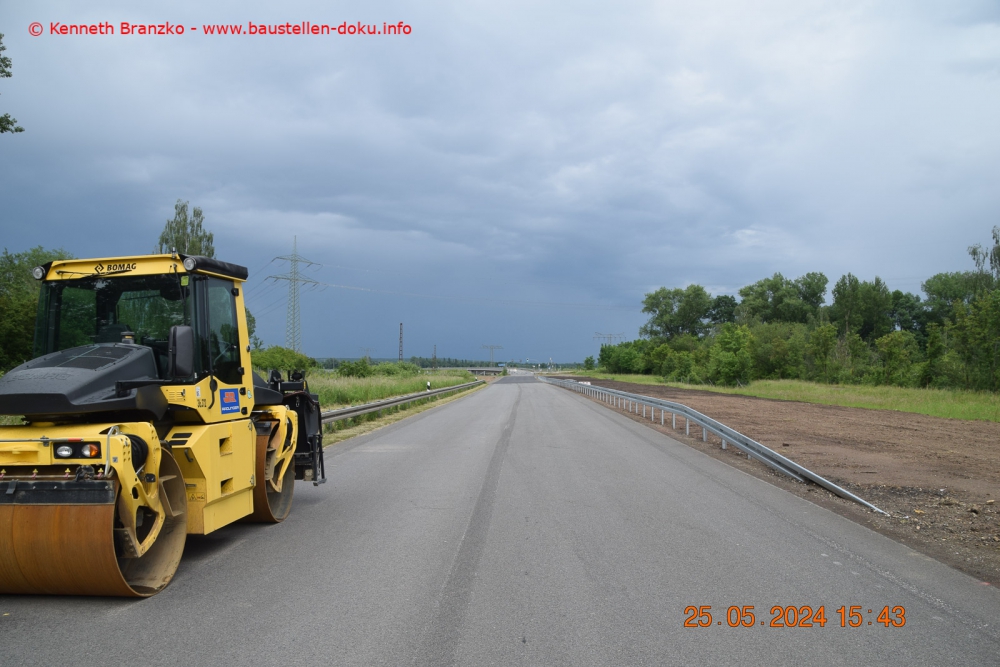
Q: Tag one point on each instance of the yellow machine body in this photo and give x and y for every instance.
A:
(102, 507)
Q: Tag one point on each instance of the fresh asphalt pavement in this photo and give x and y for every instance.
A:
(525, 524)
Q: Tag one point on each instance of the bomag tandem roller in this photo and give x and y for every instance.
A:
(143, 423)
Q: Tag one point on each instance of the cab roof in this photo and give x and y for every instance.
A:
(70, 269)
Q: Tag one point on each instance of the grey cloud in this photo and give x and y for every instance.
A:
(516, 152)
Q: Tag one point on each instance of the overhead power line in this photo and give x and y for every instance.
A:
(491, 348)
(293, 325)
(610, 338)
(475, 299)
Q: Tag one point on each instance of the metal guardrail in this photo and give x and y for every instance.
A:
(358, 410)
(751, 448)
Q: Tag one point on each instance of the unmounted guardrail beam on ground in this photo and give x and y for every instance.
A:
(748, 446)
(358, 410)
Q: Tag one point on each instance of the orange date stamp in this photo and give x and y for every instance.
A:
(792, 616)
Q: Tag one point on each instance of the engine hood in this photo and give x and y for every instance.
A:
(81, 381)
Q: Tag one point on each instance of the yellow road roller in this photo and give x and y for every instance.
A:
(143, 422)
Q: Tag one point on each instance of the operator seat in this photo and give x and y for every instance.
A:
(111, 333)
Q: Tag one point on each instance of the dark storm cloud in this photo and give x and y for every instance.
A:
(518, 153)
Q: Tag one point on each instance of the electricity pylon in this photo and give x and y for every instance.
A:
(608, 337)
(492, 347)
(293, 326)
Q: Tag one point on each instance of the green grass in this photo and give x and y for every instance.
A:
(337, 391)
(948, 403)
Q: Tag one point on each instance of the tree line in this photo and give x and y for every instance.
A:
(868, 334)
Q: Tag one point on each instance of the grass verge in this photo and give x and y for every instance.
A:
(340, 392)
(947, 403)
(349, 428)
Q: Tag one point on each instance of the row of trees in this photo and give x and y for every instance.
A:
(783, 328)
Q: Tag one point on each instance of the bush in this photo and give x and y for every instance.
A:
(356, 369)
(399, 369)
(778, 350)
(730, 356)
(282, 359)
(897, 350)
(682, 367)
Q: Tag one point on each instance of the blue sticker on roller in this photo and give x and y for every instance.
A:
(229, 400)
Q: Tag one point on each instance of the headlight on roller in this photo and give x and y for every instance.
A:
(64, 451)
(89, 451)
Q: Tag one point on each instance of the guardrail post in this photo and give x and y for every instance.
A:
(673, 420)
(704, 434)
(643, 410)
(723, 443)
(687, 426)
(661, 416)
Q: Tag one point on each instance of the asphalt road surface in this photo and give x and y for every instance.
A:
(525, 525)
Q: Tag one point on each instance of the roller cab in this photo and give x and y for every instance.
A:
(143, 422)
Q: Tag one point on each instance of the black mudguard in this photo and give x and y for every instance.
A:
(309, 446)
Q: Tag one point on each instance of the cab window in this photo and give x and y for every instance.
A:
(220, 339)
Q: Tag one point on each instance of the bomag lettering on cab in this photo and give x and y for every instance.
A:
(144, 423)
(118, 267)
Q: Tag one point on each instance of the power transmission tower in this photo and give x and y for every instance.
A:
(367, 352)
(293, 326)
(400, 342)
(491, 348)
(434, 359)
(608, 337)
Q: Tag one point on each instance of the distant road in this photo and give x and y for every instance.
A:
(525, 525)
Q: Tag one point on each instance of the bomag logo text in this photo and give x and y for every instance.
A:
(114, 268)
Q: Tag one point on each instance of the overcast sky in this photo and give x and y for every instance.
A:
(516, 173)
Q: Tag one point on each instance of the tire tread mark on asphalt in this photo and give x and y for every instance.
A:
(441, 639)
